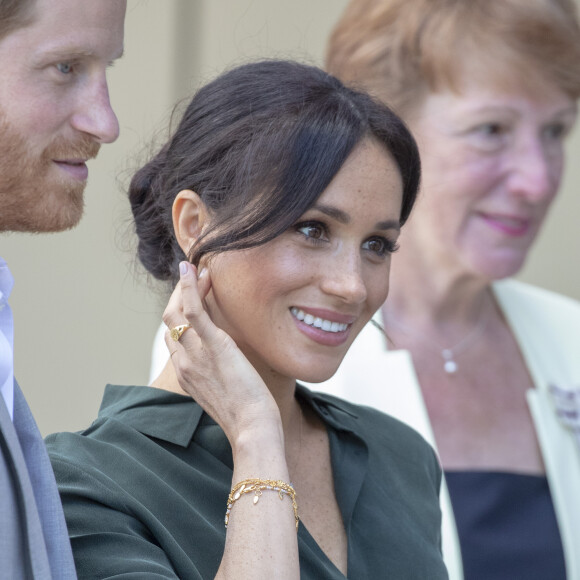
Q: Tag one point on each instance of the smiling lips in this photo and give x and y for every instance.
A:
(316, 322)
(512, 226)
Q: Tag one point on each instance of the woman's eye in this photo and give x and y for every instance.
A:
(556, 131)
(492, 129)
(380, 246)
(490, 136)
(64, 68)
(312, 230)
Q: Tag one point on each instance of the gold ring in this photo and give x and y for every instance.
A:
(177, 331)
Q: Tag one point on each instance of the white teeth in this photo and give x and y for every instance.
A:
(317, 322)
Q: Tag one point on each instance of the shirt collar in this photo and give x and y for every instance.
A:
(6, 281)
(153, 412)
(174, 418)
(6, 339)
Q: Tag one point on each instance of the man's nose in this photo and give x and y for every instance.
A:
(94, 115)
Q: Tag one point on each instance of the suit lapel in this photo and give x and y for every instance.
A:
(53, 539)
(29, 557)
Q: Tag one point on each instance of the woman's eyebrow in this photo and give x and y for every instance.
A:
(333, 212)
(389, 225)
(344, 218)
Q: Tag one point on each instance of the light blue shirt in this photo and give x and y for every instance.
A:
(6, 339)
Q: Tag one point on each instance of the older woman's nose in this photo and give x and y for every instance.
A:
(536, 171)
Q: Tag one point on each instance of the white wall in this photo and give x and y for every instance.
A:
(82, 318)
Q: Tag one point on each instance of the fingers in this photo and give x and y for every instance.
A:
(194, 288)
(203, 283)
(193, 291)
(175, 312)
(186, 305)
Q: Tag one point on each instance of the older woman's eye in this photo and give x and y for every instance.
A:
(490, 136)
(556, 131)
(312, 230)
(492, 129)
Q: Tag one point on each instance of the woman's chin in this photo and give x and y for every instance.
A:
(318, 376)
(498, 265)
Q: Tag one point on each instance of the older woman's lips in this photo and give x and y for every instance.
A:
(76, 168)
(509, 225)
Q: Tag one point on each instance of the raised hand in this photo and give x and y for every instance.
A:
(209, 365)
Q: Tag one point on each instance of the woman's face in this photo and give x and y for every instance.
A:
(295, 304)
(492, 164)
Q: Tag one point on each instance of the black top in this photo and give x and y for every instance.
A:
(144, 491)
(507, 526)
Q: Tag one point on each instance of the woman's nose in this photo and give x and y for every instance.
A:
(342, 277)
(536, 171)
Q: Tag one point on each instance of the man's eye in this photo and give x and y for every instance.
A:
(64, 67)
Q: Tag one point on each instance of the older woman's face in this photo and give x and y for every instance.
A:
(295, 304)
(492, 164)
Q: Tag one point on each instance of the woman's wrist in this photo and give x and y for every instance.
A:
(259, 443)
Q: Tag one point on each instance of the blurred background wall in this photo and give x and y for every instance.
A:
(84, 314)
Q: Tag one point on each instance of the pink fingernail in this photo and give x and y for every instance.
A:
(183, 268)
(202, 273)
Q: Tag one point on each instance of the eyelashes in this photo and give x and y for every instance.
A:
(381, 245)
(313, 230)
(317, 233)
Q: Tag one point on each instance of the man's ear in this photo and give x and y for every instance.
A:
(190, 217)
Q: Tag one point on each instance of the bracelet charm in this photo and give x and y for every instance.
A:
(257, 486)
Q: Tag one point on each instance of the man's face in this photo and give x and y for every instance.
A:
(54, 109)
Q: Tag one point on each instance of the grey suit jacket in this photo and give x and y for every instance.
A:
(34, 542)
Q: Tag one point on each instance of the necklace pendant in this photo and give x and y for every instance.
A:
(450, 366)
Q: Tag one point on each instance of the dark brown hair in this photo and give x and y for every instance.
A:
(259, 145)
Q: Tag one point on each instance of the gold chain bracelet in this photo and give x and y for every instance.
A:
(257, 486)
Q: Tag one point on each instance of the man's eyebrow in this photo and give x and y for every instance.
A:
(72, 53)
(67, 53)
(344, 218)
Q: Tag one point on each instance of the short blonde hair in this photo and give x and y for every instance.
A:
(402, 49)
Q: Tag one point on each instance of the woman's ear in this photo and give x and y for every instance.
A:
(190, 217)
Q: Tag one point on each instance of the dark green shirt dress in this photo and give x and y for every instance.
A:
(144, 491)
